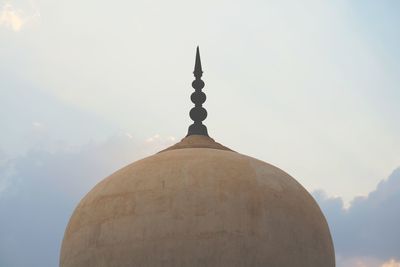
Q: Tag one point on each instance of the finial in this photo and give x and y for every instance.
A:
(198, 114)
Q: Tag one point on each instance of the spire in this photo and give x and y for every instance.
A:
(198, 71)
(198, 113)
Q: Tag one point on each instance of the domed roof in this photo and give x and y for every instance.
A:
(198, 207)
(198, 203)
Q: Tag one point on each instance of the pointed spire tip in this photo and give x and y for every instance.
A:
(198, 71)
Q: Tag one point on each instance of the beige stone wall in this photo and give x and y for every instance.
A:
(198, 207)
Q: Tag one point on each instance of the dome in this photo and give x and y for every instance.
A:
(198, 204)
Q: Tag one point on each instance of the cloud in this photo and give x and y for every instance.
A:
(157, 138)
(391, 263)
(370, 226)
(11, 18)
(366, 262)
(38, 192)
(41, 120)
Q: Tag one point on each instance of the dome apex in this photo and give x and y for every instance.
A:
(197, 141)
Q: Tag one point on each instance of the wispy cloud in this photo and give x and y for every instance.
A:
(15, 19)
(391, 263)
(11, 18)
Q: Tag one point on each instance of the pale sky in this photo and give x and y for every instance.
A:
(311, 86)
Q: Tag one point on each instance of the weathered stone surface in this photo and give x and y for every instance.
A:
(198, 207)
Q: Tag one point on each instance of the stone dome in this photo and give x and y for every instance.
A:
(198, 204)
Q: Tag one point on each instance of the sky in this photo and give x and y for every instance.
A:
(310, 86)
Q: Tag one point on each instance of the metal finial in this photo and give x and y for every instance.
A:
(198, 114)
